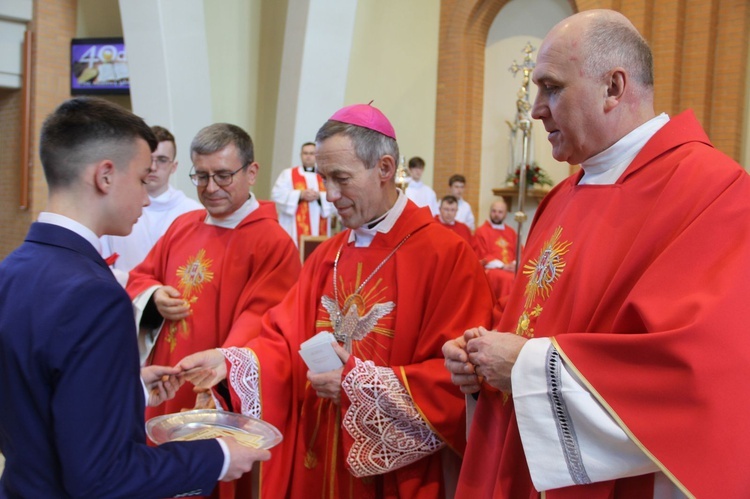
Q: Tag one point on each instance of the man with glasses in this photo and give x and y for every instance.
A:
(166, 204)
(71, 392)
(214, 273)
(386, 421)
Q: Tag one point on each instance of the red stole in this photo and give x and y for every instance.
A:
(302, 218)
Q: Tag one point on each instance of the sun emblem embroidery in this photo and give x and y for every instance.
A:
(545, 270)
(193, 276)
(542, 273)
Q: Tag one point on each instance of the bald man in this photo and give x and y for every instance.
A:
(619, 366)
(495, 244)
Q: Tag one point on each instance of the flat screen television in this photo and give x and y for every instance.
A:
(98, 66)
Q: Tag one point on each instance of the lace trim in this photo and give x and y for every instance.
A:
(244, 377)
(565, 430)
(387, 429)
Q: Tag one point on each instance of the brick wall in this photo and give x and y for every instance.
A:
(13, 221)
(53, 26)
(700, 59)
(464, 25)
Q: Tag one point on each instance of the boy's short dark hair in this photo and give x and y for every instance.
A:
(456, 178)
(88, 129)
(416, 162)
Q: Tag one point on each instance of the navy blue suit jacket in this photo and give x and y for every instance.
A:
(71, 400)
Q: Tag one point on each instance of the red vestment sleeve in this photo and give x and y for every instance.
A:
(437, 287)
(275, 270)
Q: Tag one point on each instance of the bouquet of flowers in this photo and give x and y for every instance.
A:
(534, 175)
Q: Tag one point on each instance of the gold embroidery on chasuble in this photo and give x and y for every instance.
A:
(542, 274)
(357, 307)
(359, 312)
(504, 249)
(192, 276)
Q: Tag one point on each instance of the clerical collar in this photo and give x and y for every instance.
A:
(500, 226)
(363, 236)
(607, 166)
(233, 220)
(309, 169)
(47, 217)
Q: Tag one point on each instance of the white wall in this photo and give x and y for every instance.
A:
(14, 16)
(233, 40)
(169, 71)
(394, 62)
(315, 64)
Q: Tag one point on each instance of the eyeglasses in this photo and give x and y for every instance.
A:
(222, 179)
(160, 160)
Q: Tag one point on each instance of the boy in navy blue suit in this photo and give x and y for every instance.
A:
(71, 389)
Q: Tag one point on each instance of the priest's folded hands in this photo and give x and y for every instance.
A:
(481, 356)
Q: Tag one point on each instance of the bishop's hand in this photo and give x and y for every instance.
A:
(327, 385)
(204, 369)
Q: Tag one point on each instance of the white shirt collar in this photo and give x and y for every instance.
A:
(363, 236)
(47, 217)
(500, 226)
(607, 166)
(238, 216)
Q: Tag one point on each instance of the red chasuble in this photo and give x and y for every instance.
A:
(302, 218)
(459, 228)
(413, 302)
(495, 244)
(643, 286)
(231, 277)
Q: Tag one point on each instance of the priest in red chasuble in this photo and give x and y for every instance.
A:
(495, 242)
(215, 272)
(619, 367)
(388, 423)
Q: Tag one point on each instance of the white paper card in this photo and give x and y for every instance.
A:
(318, 353)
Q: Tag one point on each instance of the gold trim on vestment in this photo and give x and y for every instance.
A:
(424, 418)
(620, 422)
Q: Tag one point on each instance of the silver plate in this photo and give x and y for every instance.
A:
(209, 423)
